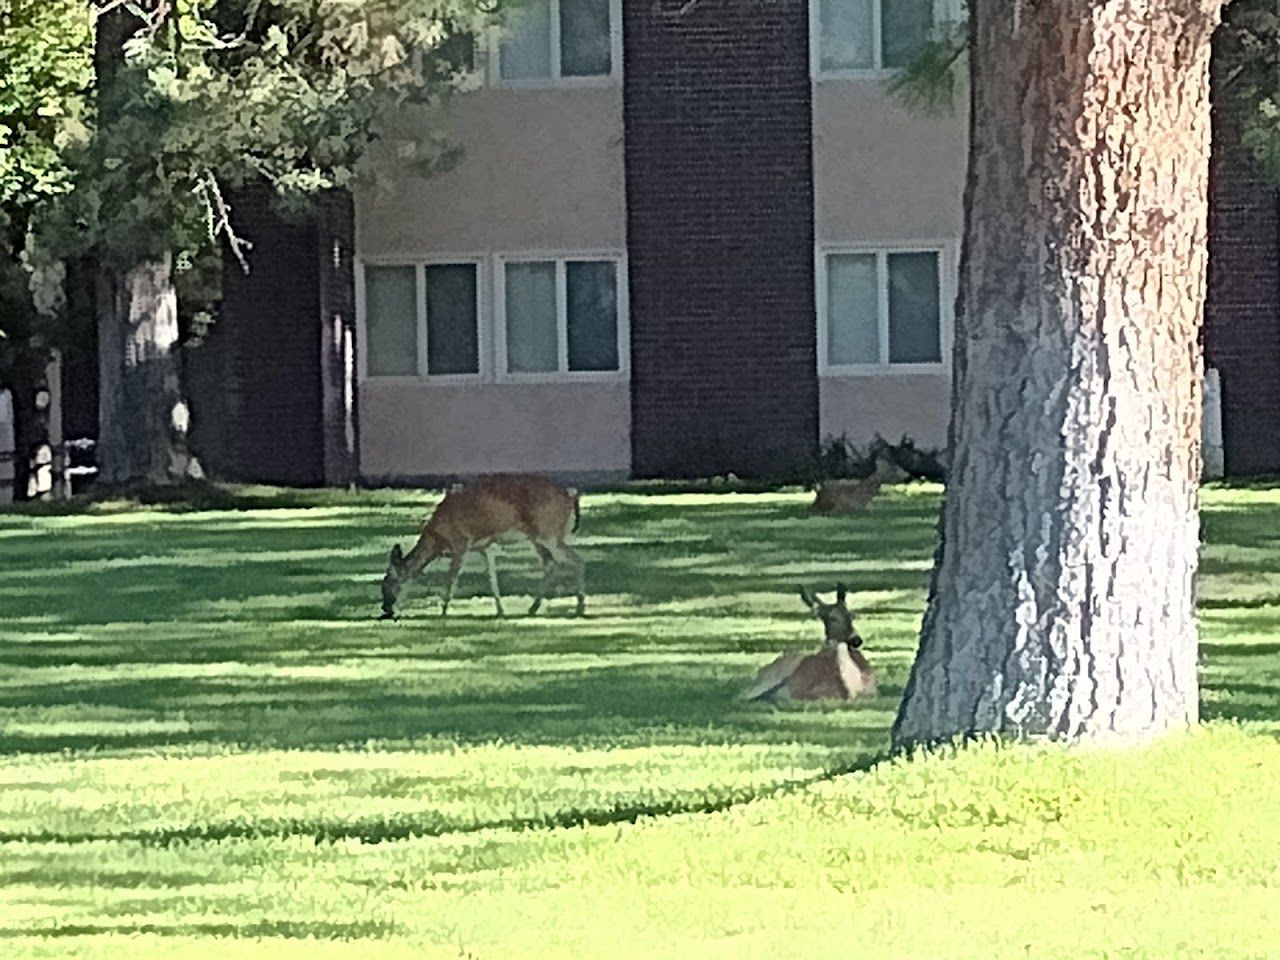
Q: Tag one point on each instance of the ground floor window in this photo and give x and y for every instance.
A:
(527, 316)
(421, 319)
(881, 309)
(559, 317)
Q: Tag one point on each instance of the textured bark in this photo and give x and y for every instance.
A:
(1062, 601)
(142, 419)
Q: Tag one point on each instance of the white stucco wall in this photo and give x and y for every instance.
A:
(886, 175)
(542, 174)
(424, 431)
(542, 171)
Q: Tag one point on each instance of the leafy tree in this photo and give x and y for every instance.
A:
(1062, 603)
(190, 100)
(44, 67)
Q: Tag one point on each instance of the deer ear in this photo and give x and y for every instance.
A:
(809, 600)
(840, 592)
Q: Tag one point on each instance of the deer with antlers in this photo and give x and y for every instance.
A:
(838, 672)
(475, 517)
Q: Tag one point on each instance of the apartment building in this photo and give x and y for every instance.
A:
(687, 237)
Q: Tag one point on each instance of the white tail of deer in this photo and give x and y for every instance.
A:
(474, 517)
(839, 672)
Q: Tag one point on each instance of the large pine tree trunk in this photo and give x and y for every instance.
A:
(142, 419)
(1062, 603)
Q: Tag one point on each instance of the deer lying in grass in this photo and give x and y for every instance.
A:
(838, 672)
(474, 517)
(852, 495)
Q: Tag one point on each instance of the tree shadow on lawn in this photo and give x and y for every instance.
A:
(285, 928)
(206, 569)
(290, 591)
(637, 705)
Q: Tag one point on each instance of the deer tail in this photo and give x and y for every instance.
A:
(577, 510)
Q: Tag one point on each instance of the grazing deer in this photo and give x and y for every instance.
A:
(838, 672)
(474, 517)
(850, 496)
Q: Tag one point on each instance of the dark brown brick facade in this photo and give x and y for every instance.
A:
(266, 386)
(719, 177)
(1242, 316)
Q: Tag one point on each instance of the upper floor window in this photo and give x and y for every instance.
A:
(422, 320)
(881, 310)
(858, 36)
(549, 40)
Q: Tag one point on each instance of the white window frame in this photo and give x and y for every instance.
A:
(563, 374)
(946, 251)
(943, 10)
(555, 80)
(420, 264)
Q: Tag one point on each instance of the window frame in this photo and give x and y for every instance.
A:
(420, 264)
(943, 10)
(946, 251)
(563, 374)
(556, 80)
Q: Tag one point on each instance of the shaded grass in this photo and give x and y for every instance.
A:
(205, 735)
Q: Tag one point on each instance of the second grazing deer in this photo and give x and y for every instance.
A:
(474, 517)
(838, 672)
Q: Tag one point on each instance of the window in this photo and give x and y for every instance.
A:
(560, 318)
(881, 309)
(560, 39)
(856, 36)
(421, 320)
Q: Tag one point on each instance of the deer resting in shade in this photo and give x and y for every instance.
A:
(838, 672)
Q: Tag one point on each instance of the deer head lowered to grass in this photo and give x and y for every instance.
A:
(474, 517)
(838, 672)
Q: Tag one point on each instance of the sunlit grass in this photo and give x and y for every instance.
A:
(206, 735)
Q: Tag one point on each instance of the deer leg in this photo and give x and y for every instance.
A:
(574, 561)
(548, 567)
(493, 580)
(455, 566)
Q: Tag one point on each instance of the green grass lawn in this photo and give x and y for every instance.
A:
(205, 734)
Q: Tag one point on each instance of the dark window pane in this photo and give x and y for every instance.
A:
(531, 318)
(853, 309)
(905, 27)
(453, 343)
(391, 321)
(914, 308)
(525, 52)
(845, 40)
(585, 47)
(592, 302)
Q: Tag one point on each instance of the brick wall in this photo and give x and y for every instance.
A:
(1242, 315)
(719, 175)
(266, 350)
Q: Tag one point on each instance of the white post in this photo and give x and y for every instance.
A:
(53, 376)
(1211, 433)
(6, 446)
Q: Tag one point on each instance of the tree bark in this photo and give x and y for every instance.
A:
(1062, 599)
(142, 418)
